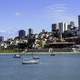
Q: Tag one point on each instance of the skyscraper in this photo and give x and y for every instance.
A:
(79, 22)
(61, 27)
(1, 38)
(71, 25)
(30, 31)
(22, 33)
(54, 27)
(65, 27)
(43, 31)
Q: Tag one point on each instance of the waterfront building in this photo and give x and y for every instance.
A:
(22, 33)
(60, 44)
(78, 33)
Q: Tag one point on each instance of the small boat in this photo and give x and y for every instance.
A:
(52, 54)
(36, 57)
(30, 61)
(17, 56)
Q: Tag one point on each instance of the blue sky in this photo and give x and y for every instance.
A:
(35, 14)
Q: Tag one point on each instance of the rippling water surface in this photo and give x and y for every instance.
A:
(58, 67)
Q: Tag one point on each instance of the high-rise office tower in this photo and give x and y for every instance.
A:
(61, 27)
(79, 22)
(1, 38)
(69, 27)
(54, 27)
(65, 27)
(72, 24)
(22, 33)
(43, 31)
(30, 31)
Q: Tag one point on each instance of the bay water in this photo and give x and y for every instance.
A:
(58, 67)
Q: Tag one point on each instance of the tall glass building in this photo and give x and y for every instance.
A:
(79, 22)
(22, 33)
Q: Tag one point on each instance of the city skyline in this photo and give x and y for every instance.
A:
(37, 14)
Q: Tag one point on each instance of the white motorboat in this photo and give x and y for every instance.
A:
(17, 56)
(30, 61)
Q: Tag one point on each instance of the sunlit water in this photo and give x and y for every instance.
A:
(59, 67)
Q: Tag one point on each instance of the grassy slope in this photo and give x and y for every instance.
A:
(7, 51)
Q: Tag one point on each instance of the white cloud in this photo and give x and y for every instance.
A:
(57, 12)
(62, 8)
(18, 13)
(2, 31)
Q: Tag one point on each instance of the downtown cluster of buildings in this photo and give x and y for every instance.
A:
(61, 34)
